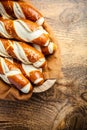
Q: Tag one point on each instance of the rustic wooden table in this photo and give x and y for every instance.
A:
(65, 106)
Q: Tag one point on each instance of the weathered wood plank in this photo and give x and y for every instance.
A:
(63, 107)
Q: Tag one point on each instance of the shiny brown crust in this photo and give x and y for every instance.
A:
(31, 53)
(41, 40)
(8, 5)
(29, 11)
(18, 80)
(45, 49)
(9, 26)
(34, 75)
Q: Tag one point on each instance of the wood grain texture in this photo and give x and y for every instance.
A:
(63, 107)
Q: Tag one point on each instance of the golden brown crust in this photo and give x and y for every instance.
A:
(8, 5)
(18, 80)
(28, 10)
(32, 26)
(41, 40)
(9, 26)
(31, 53)
(32, 76)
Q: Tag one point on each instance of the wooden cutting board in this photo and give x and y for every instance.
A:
(65, 106)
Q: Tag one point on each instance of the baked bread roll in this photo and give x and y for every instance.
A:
(21, 51)
(19, 9)
(12, 75)
(24, 30)
(29, 71)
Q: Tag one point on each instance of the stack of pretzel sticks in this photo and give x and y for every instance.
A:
(24, 45)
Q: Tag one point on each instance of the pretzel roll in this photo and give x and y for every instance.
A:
(24, 30)
(46, 50)
(12, 75)
(29, 71)
(22, 51)
(12, 9)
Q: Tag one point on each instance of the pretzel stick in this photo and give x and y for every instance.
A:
(24, 30)
(21, 51)
(12, 75)
(29, 71)
(19, 9)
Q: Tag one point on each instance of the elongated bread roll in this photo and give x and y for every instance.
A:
(46, 50)
(12, 75)
(32, 73)
(13, 9)
(24, 30)
(21, 51)
(29, 71)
